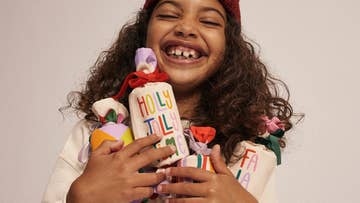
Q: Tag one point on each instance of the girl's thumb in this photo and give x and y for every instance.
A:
(217, 161)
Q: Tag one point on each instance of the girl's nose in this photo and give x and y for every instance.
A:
(186, 28)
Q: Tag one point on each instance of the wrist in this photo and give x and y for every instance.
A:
(76, 193)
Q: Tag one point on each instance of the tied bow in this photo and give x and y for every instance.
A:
(274, 126)
(204, 135)
(276, 130)
(139, 78)
(146, 71)
(111, 116)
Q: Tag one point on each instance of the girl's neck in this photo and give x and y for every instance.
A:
(187, 103)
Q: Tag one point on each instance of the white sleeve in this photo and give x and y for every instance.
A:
(67, 167)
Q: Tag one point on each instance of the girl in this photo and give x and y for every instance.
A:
(218, 81)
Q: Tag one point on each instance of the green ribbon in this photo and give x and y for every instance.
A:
(111, 116)
(274, 145)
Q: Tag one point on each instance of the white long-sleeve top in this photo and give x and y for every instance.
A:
(255, 171)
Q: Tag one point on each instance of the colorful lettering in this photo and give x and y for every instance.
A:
(150, 104)
(148, 121)
(168, 100)
(246, 156)
(245, 180)
(156, 127)
(238, 174)
(253, 160)
(154, 102)
(142, 105)
(159, 99)
(174, 121)
(158, 107)
(171, 141)
(180, 145)
(164, 128)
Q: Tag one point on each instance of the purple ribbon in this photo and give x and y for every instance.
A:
(198, 147)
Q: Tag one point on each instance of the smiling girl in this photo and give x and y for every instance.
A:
(218, 81)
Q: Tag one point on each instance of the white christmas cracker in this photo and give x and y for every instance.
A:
(153, 107)
(255, 167)
(198, 138)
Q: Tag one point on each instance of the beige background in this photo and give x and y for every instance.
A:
(47, 47)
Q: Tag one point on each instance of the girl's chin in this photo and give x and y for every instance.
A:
(182, 87)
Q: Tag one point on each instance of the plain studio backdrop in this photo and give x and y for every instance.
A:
(48, 46)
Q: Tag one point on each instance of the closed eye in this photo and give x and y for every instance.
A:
(167, 16)
(212, 23)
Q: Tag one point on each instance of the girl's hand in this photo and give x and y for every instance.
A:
(111, 174)
(211, 187)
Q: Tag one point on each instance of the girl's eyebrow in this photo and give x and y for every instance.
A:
(205, 9)
(174, 3)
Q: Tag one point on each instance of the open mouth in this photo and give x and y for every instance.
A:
(182, 51)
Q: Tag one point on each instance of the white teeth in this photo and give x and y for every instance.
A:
(178, 52)
(189, 54)
(186, 54)
(193, 54)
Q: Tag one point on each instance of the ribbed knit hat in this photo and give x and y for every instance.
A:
(231, 6)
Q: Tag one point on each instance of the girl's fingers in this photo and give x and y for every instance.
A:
(191, 189)
(151, 155)
(217, 161)
(189, 172)
(139, 144)
(147, 179)
(117, 146)
(140, 193)
(109, 146)
(188, 200)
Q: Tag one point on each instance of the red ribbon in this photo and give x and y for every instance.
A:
(139, 79)
(203, 134)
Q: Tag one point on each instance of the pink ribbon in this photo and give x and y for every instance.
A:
(274, 124)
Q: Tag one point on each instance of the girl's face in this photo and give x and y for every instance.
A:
(188, 38)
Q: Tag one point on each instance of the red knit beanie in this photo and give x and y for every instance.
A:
(231, 6)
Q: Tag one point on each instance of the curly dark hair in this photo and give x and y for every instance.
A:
(233, 100)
